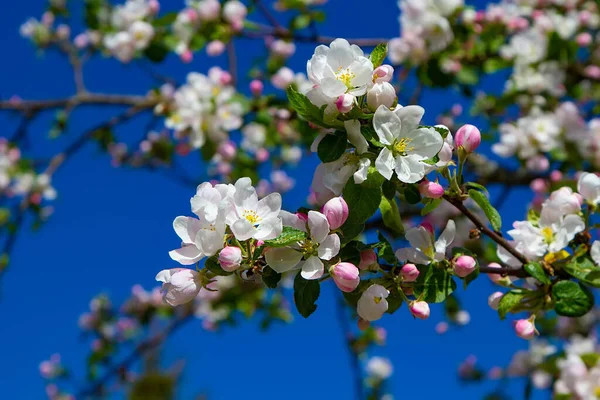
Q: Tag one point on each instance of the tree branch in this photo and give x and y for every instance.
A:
(33, 106)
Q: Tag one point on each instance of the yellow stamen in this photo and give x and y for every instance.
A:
(345, 76)
(401, 146)
(377, 299)
(429, 252)
(251, 216)
(548, 234)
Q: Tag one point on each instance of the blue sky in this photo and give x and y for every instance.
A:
(112, 229)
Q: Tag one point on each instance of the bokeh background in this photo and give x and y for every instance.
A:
(112, 229)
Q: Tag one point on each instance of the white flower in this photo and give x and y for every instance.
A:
(372, 303)
(121, 45)
(321, 245)
(379, 368)
(199, 238)
(588, 186)
(209, 200)
(334, 175)
(595, 252)
(180, 285)
(338, 69)
(250, 218)
(141, 33)
(254, 136)
(423, 250)
(561, 202)
(575, 379)
(407, 145)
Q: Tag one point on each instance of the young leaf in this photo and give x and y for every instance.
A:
(433, 284)
(583, 268)
(509, 303)
(288, 236)
(332, 147)
(306, 293)
(378, 55)
(572, 299)
(431, 205)
(385, 250)
(412, 195)
(351, 229)
(394, 301)
(391, 215)
(490, 212)
(363, 200)
(535, 269)
(304, 107)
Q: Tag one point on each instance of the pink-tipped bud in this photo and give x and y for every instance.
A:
(468, 137)
(441, 327)
(419, 309)
(187, 56)
(192, 14)
(256, 87)
(525, 329)
(154, 6)
(262, 155)
(494, 300)
(345, 103)
(368, 259)
(227, 150)
(432, 190)
(538, 185)
(215, 48)
(538, 163)
(409, 273)
(428, 227)
(336, 212)
(584, 39)
(556, 176)
(230, 258)
(225, 78)
(498, 278)
(464, 265)
(383, 73)
(456, 109)
(345, 275)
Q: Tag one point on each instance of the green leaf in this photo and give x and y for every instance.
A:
(434, 284)
(572, 299)
(270, 277)
(490, 212)
(351, 252)
(351, 229)
(378, 55)
(467, 76)
(477, 186)
(288, 236)
(391, 215)
(394, 301)
(494, 64)
(300, 21)
(332, 147)
(385, 250)
(212, 264)
(412, 195)
(432, 204)
(304, 107)
(363, 200)
(157, 51)
(389, 189)
(510, 302)
(165, 20)
(306, 293)
(537, 271)
(583, 268)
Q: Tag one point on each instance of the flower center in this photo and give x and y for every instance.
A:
(210, 227)
(548, 234)
(139, 35)
(429, 252)
(377, 299)
(345, 76)
(351, 158)
(251, 216)
(401, 146)
(597, 391)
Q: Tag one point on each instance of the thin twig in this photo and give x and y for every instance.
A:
(483, 228)
(32, 106)
(265, 11)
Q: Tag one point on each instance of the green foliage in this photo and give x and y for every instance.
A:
(391, 216)
(270, 277)
(305, 108)
(572, 299)
(490, 212)
(412, 194)
(212, 264)
(537, 271)
(510, 302)
(385, 250)
(434, 284)
(394, 301)
(288, 236)
(431, 205)
(153, 386)
(306, 293)
(363, 200)
(379, 54)
(584, 269)
(332, 147)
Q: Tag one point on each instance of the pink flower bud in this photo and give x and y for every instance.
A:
(345, 275)
(230, 258)
(336, 212)
(432, 190)
(154, 6)
(441, 328)
(262, 155)
(383, 73)
(368, 258)
(497, 278)
(227, 149)
(468, 137)
(584, 39)
(428, 227)
(192, 14)
(209, 10)
(225, 78)
(187, 56)
(456, 109)
(592, 71)
(345, 103)
(419, 309)
(464, 265)
(525, 329)
(215, 48)
(538, 163)
(538, 185)
(283, 78)
(256, 87)
(494, 300)
(409, 273)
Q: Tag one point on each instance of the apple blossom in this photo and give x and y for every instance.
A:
(432, 190)
(180, 285)
(208, 10)
(588, 186)
(464, 266)
(372, 303)
(336, 212)
(468, 137)
(409, 273)
(215, 48)
(407, 145)
(525, 329)
(383, 73)
(345, 275)
(494, 300)
(230, 258)
(381, 94)
(423, 250)
(379, 368)
(419, 309)
(345, 103)
(234, 12)
(368, 259)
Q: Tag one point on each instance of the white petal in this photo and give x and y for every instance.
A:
(245, 195)
(312, 268)
(186, 228)
(282, 259)
(363, 170)
(209, 241)
(355, 136)
(387, 125)
(332, 87)
(269, 206)
(385, 163)
(268, 229)
(186, 255)
(330, 247)
(409, 169)
(446, 238)
(318, 226)
(243, 229)
(410, 116)
(595, 252)
(293, 220)
(426, 142)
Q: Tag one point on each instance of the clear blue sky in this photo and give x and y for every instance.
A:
(112, 229)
